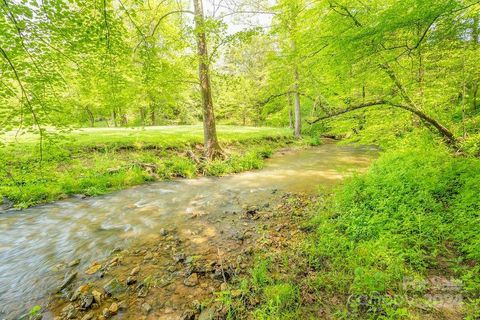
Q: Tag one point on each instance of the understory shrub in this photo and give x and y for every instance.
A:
(416, 211)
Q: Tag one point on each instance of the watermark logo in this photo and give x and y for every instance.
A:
(436, 290)
(432, 292)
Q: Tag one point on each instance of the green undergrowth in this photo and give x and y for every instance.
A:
(97, 161)
(401, 241)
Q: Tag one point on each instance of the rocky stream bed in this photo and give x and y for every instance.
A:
(165, 250)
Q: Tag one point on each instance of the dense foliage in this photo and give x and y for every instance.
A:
(126, 63)
(415, 213)
(401, 74)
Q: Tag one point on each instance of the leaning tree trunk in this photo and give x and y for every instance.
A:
(298, 119)
(447, 134)
(212, 147)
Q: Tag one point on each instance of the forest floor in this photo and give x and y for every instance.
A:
(96, 161)
(261, 272)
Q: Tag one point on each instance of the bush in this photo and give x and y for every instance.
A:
(417, 209)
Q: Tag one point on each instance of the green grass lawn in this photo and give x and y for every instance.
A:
(95, 161)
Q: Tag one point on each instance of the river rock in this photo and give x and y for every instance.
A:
(74, 263)
(192, 280)
(122, 305)
(88, 316)
(131, 280)
(93, 268)
(79, 292)
(6, 204)
(113, 309)
(69, 312)
(87, 301)
(115, 250)
(97, 296)
(135, 271)
(113, 262)
(148, 256)
(106, 313)
(146, 307)
(218, 274)
(59, 267)
(207, 314)
(142, 292)
(179, 257)
(188, 315)
(68, 279)
(114, 287)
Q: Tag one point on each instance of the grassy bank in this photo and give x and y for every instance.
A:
(95, 161)
(399, 242)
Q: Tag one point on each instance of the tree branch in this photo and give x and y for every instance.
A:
(447, 134)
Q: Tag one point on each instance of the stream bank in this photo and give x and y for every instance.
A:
(170, 230)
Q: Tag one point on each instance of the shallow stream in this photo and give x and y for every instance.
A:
(37, 244)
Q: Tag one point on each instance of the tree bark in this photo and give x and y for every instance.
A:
(153, 118)
(290, 110)
(212, 147)
(298, 115)
(420, 78)
(475, 41)
(91, 117)
(114, 117)
(447, 134)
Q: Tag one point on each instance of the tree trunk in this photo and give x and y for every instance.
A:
(420, 78)
(290, 110)
(142, 115)
(476, 29)
(114, 117)
(475, 95)
(298, 115)
(153, 119)
(91, 118)
(212, 147)
(475, 41)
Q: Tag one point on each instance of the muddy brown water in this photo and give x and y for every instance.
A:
(37, 244)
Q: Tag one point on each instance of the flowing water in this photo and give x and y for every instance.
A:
(36, 243)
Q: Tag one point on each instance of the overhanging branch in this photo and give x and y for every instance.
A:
(446, 134)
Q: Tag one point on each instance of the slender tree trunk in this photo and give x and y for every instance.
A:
(153, 119)
(475, 41)
(142, 116)
(114, 117)
(90, 117)
(290, 111)
(419, 78)
(212, 147)
(298, 115)
(475, 95)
